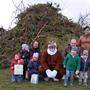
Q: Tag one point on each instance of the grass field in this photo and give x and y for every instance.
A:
(5, 84)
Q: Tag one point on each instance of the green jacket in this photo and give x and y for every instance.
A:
(72, 63)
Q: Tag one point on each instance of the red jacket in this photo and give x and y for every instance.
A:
(14, 62)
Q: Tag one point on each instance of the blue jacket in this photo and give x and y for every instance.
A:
(84, 66)
(33, 67)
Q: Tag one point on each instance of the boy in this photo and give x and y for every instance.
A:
(72, 64)
(84, 68)
(33, 66)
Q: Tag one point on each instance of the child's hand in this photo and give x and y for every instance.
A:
(77, 72)
(12, 68)
(81, 56)
(20, 61)
(64, 66)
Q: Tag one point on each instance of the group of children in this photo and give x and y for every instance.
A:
(74, 64)
(24, 63)
(17, 67)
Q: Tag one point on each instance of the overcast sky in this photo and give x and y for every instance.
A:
(70, 8)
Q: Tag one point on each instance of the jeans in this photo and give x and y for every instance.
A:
(83, 77)
(17, 78)
(69, 75)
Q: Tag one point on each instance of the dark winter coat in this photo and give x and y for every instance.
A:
(33, 67)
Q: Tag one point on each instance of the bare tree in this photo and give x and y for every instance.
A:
(84, 20)
(20, 7)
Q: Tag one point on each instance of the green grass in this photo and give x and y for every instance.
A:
(5, 84)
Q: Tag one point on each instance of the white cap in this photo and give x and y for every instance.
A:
(35, 54)
(25, 47)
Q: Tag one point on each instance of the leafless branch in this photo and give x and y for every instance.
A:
(84, 19)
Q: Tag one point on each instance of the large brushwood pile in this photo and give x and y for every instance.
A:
(42, 22)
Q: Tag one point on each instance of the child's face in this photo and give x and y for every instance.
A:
(85, 57)
(85, 54)
(35, 58)
(17, 57)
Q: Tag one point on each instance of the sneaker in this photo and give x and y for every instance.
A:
(65, 84)
(80, 83)
(55, 79)
(13, 81)
(46, 79)
(63, 77)
(85, 84)
(71, 84)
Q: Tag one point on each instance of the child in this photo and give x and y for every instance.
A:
(16, 67)
(84, 68)
(72, 64)
(25, 54)
(33, 66)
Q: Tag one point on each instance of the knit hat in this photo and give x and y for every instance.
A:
(74, 49)
(35, 54)
(25, 47)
